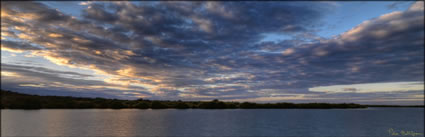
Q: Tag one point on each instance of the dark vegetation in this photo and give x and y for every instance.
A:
(393, 106)
(13, 100)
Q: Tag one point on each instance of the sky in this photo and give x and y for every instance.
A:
(332, 52)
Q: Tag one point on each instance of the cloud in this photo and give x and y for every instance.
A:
(417, 6)
(371, 87)
(19, 77)
(39, 74)
(288, 51)
(85, 3)
(43, 70)
(14, 46)
(210, 50)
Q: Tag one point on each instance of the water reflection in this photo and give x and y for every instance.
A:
(196, 122)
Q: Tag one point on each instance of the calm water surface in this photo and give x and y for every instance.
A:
(201, 122)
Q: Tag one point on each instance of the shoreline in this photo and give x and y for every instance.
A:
(15, 100)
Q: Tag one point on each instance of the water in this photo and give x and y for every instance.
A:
(201, 122)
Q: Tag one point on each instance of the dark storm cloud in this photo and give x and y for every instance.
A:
(213, 49)
(96, 12)
(13, 45)
(209, 25)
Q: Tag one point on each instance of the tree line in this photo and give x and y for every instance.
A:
(13, 100)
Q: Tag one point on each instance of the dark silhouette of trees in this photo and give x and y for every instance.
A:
(158, 105)
(215, 104)
(141, 105)
(13, 100)
(181, 105)
(248, 105)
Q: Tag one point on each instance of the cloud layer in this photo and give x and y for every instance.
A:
(206, 50)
